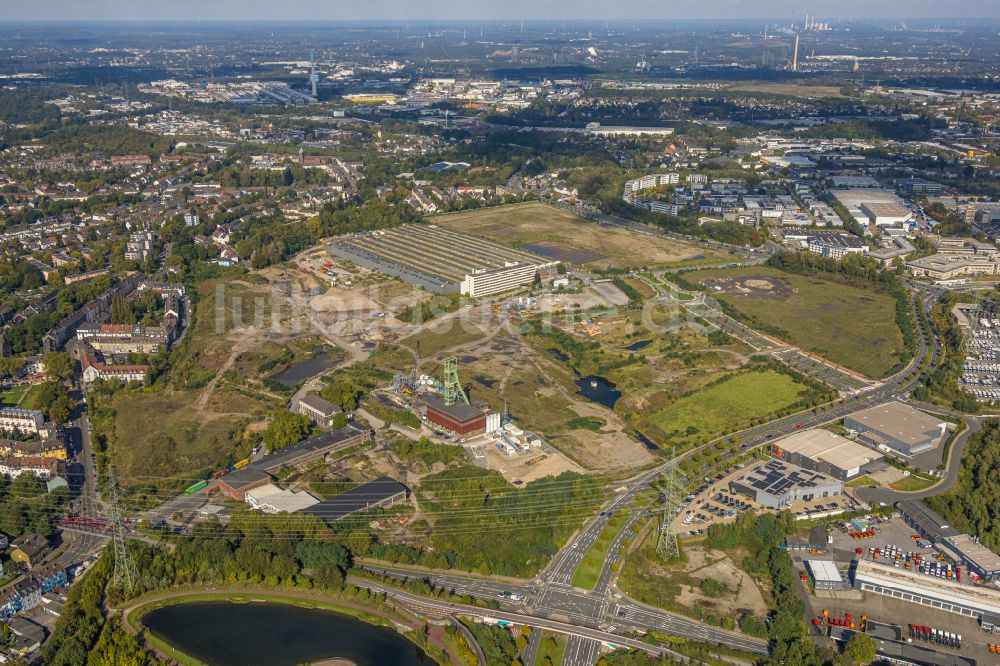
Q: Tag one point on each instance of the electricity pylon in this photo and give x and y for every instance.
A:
(666, 545)
(125, 571)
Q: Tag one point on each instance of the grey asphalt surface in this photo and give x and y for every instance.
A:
(531, 652)
(579, 607)
(581, 651)
(563, 627)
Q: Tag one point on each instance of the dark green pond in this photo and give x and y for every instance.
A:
(268, 634)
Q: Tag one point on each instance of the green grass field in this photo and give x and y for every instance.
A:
(553, 646)
(160, 440)
(862, 482)
(589, 570)
(848, 325)
(730, 403)
(25, 397)
(912, 484)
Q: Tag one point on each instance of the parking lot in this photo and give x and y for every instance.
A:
(981, 373)
(890, 611)
(712, 502)
(884, 534)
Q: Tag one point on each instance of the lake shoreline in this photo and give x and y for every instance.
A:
(400, 621)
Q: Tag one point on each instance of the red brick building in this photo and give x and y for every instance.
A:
(237, 484)
(460, 418)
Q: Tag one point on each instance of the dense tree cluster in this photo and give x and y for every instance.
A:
(285, 428)
(760, 538)
(26, 506)
(526, 526)
(972, 506)
(496, 643)
(427, 451)
(109, 139)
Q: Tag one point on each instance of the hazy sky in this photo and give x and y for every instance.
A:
(76, 10)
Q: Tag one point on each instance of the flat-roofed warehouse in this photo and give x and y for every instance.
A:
(382, 492)
(897, 427)
(926, 521)
(981, 602)
(443, 260)
(827, 452)
(978, 558)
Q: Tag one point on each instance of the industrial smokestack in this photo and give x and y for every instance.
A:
(795, 56)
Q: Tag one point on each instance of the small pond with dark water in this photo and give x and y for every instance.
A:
(599, 390)
(298, 372)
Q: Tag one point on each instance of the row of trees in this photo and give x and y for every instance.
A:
(941, 381)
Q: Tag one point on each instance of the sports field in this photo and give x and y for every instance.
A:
(849, 325)
(566, 237)
(730, 403)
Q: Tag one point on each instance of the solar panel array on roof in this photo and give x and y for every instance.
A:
(776, 477)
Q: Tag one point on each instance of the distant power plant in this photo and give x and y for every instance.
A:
(814, 25)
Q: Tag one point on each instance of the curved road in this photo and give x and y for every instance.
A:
(947, 482)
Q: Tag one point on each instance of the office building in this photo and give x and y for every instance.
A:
(775, 484)
(318, 410)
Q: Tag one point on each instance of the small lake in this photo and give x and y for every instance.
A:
(558, 355)
(636, 346)
(303, 370)
(598, 389)
(646, 441)
(221, 633)
(488, 383)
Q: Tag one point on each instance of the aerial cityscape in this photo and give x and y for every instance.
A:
(523, 335)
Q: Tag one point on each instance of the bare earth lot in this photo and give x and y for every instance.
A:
(558, 233)
(679, 586)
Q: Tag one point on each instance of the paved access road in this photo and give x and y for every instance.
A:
(947, 482)
(593, 634)
(543, 598)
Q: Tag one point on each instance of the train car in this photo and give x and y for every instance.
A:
(195, 488)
